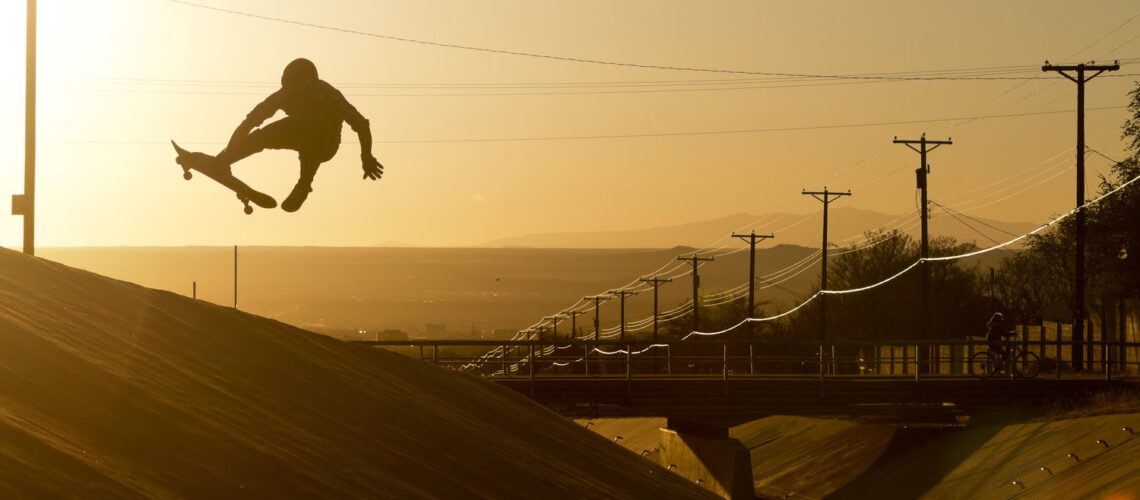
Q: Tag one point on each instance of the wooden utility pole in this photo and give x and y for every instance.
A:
(1079, 279)
(25, 204)
(924, 146)
(696, 286)
(573, 315)
(655, 282)
(826, 197)
(752, 238)
(622, 294)
(598, 299)
(554, 324)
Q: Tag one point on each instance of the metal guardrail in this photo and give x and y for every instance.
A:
(737, 358)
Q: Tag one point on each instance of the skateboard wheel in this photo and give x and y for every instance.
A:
(187, 175)
(248, 210)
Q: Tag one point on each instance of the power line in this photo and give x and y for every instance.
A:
(574, 59)
(635, 136)
(964, 223)
(979, 221)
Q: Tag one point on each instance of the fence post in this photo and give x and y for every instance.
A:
(435, 354)
(724, 363)
(821, 363)
(1107, 362)
(751, 362)
(505, 372)
(1060, 358)
(586, 356)
(969, 355)
(918, 360)
(669, 359)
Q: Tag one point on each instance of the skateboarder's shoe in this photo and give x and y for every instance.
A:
(297, 197)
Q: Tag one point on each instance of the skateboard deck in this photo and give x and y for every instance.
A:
(203, 163)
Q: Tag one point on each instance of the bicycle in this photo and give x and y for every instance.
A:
(1017, 362)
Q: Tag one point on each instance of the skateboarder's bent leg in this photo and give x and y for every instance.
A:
(285, 133)
(304, 186)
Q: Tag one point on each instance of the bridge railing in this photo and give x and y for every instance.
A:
(731, 358)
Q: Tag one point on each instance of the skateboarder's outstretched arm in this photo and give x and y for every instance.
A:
(372, 168)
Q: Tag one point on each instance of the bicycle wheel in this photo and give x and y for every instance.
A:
(1026, 364)
(983, 364)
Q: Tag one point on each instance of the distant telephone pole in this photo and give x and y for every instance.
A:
(598, 299)
(554, 324)
(25, 204)
(1079, 279)
(696, 286)
(573, 315)
(752, 238)
(655, 282)
(924, 146)
(826, 197)
(622, 294)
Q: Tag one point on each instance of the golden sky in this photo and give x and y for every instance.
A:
(119, 78)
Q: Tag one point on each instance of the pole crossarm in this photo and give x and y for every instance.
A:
(826, 196)
(752, 237)
(1080, 69)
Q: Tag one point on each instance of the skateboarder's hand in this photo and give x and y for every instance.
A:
(372, 168)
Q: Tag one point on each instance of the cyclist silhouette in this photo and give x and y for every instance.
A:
(996, 334)
(315, 111)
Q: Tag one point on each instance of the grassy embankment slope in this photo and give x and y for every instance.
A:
(109, 389)
(797, 457)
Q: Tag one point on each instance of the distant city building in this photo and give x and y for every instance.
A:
(435, 329)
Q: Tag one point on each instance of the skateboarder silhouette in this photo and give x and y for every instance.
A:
(315, 111)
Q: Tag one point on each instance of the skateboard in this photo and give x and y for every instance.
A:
(203, 163)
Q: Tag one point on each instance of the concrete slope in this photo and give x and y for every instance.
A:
(109, 389)
(810, 458)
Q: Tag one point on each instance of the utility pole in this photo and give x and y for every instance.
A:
(752, 238)
(573, 315)
(554, 324)
(655, 282)
(25, 204)
(826, 197)
(622, 294)
(598, 299)
(696, 285)
(924, 146)
(1079, 279)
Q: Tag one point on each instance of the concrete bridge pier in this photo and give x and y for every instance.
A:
(705, 452)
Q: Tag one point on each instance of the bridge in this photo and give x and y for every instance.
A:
(704, 386)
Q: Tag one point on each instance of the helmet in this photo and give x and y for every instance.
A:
(299, 71)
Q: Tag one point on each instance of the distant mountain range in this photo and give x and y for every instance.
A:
(846, 225)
